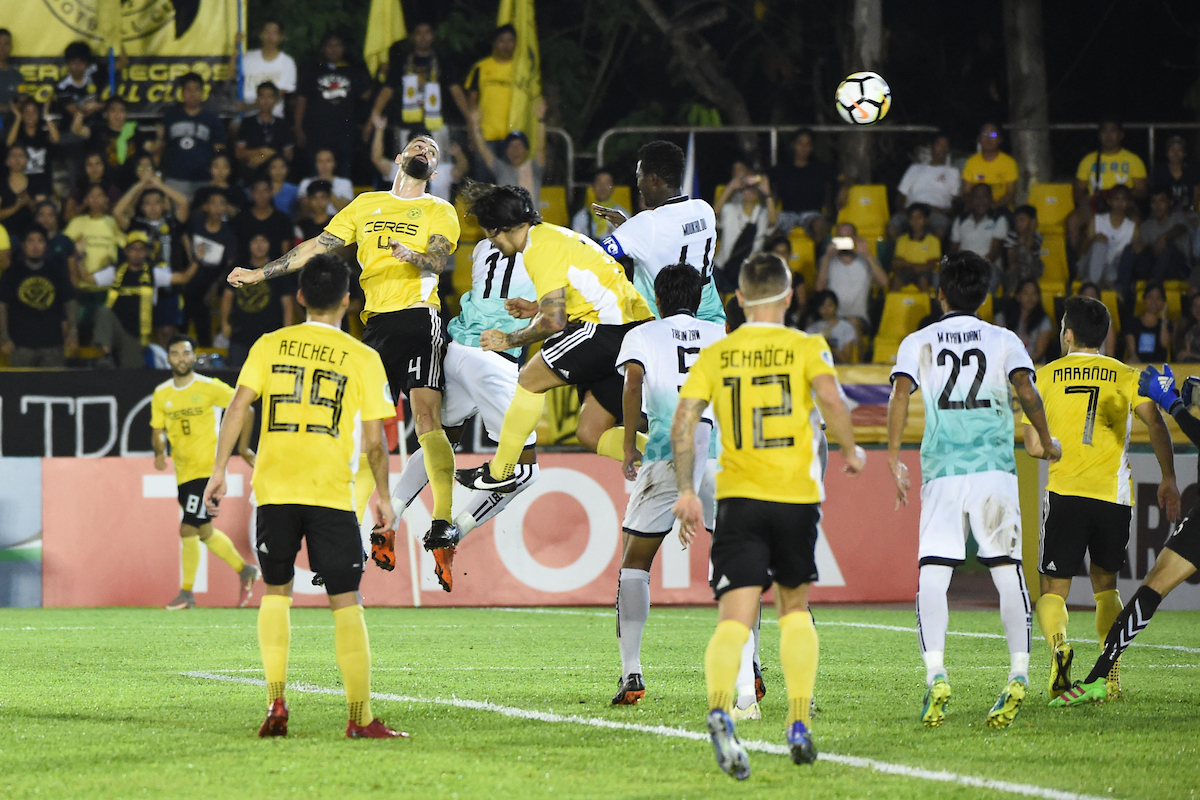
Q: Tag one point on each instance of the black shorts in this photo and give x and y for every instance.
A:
(1072, 525)
(412, 345)
(335, 550)
(757, 543)
(585, 353)
(1185, 541)
(191, 500)
(609, 393)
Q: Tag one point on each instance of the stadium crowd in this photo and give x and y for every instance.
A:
(116, 234)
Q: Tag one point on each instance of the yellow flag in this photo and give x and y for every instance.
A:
(385, 27)
(527, 64)
(108, 25)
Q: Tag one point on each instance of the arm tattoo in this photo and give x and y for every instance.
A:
(330, 242)
(434, 258)
(551, 318)
(280, 266)
(293, 259)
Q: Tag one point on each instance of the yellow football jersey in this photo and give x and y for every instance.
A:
(318, 386)
(1089, 402)
(190, 419)
(759, 381)
(597, 289)
(374, 218)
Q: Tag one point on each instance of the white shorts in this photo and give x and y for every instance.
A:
(479, 382)
(654, 494)
(985, 505)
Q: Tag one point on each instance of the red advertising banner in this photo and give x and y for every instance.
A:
(110, 538)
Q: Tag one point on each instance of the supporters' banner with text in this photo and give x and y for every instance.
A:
(163, 39)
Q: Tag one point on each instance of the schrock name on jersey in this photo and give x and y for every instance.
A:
(959, 337)
(765, 357)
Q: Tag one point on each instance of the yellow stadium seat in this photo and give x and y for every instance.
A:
(1054, 258)
(1053, 288)
(1174, 300)
(469, 230)
(462, 269)
(804, 255)
(866, 207)
(987, 311)
(901, 313)
(620, 197)
(554, 205)
(1109, 298)
(1054, 203)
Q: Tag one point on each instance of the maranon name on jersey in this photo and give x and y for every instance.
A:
(1085, 374)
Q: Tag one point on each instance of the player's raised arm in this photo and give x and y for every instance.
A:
(551, 318)
(291, 261)
(897, 418)
(231, 430)
(837, 422)
(1031, 404)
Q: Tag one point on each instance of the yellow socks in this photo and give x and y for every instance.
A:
(1108, 608)
(798, 649)
(223, 549)
(439, 465)
(274, 636)
(190, 559)
(612, 443)
(519, 421)
(1052, 619)
(354, 660)
(721, 662)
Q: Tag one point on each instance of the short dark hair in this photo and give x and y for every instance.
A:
(268, 85)
(763, 275)
(503, 29)
(820, 297)
(1088, 319)
(180, 338)
(1121, 188)
(1160, 190)
(324, 281)
(150, 192)
(329, 36)
(1027, 210)
(1154, 286)
(78, 51)
(5, 32)
(191, 77)
(804, 132)
(678, 287)
(319, 186)
(271, 21)
(922, 207)
(735, 315)
(775, 241)
(500, 207)
(40, 231)
(965, 278)
(664, 159)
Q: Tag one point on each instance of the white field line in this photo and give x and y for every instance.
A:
(651, 667)
(903, 770)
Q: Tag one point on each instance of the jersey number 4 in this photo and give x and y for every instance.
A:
(972, 401)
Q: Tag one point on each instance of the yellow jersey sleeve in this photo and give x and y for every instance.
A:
(819, 359)
(158, 417)
(445, 223)
(344, 224)
(547, 268)
(253, 374)
(222, 393)
(699, 383)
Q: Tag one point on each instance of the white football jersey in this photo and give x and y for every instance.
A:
(666, 349)
(494, 278)
(680, 230)
(962, 366)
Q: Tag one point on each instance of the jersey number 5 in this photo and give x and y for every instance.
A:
(784, 409)
(972, 401)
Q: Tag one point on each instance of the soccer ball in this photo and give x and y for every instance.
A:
(863, 98)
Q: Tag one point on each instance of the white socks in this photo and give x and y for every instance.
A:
(746, 695)
(633, 609)
(412, 480)
(933, 617)
(1016, 614)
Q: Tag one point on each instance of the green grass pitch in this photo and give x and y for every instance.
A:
(98, 703)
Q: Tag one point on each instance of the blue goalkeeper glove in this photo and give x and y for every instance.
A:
(1159, 387)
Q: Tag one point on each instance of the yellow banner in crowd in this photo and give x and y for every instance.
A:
(385, 27)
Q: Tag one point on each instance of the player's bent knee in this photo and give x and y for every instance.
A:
(342, 581)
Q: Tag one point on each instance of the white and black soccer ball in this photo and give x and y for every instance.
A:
(863, 98)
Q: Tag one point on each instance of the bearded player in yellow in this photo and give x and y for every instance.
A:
(183, 412)
(404, 237)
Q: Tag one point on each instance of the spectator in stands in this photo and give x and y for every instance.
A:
(58, 246)
(1107, 237)
(264, 135)
(314, 212)
(735, 315)
(1098, 172)
(256, 308)
(980, 229)
(1022, 250)
(849, 270)
(77, 92)
(262, 217)
(115, 137)
(96, 237)
(515, 167)
(327, 103)
(917, 252)
(132, 205)
(1160, 250)
(1091, 290)
(95, 173)
(1148, 336)
(487, 91)
(267, 64)
(123, 324)
(744, 215)
(220, 176)
(1177, 177)
(782, 247)
(1186, 347)
(37, 307)
(285, 195)
(342, 189)
(188, 137)
(993, 167)
(167, 236)
(1024, 315)
(934, 184)
(798, 315)
(586, 221)
(10, 77)
(38, 134)
(16, 195)
(840, 334)
(214, 251)
(803, 190)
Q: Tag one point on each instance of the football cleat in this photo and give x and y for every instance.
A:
(442, 534)
(1060, 669)
(383, 547)
(1082, 693)
(375, 729)
(760, 686)
(184, 601)
(276, 722)
(1007, 704)
(800, 743)
(247, 576)
(750, 712)
(481, 478)
(443, 563)
(731, 756)
(1112, 683)
(630, 690)
(937, 697)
